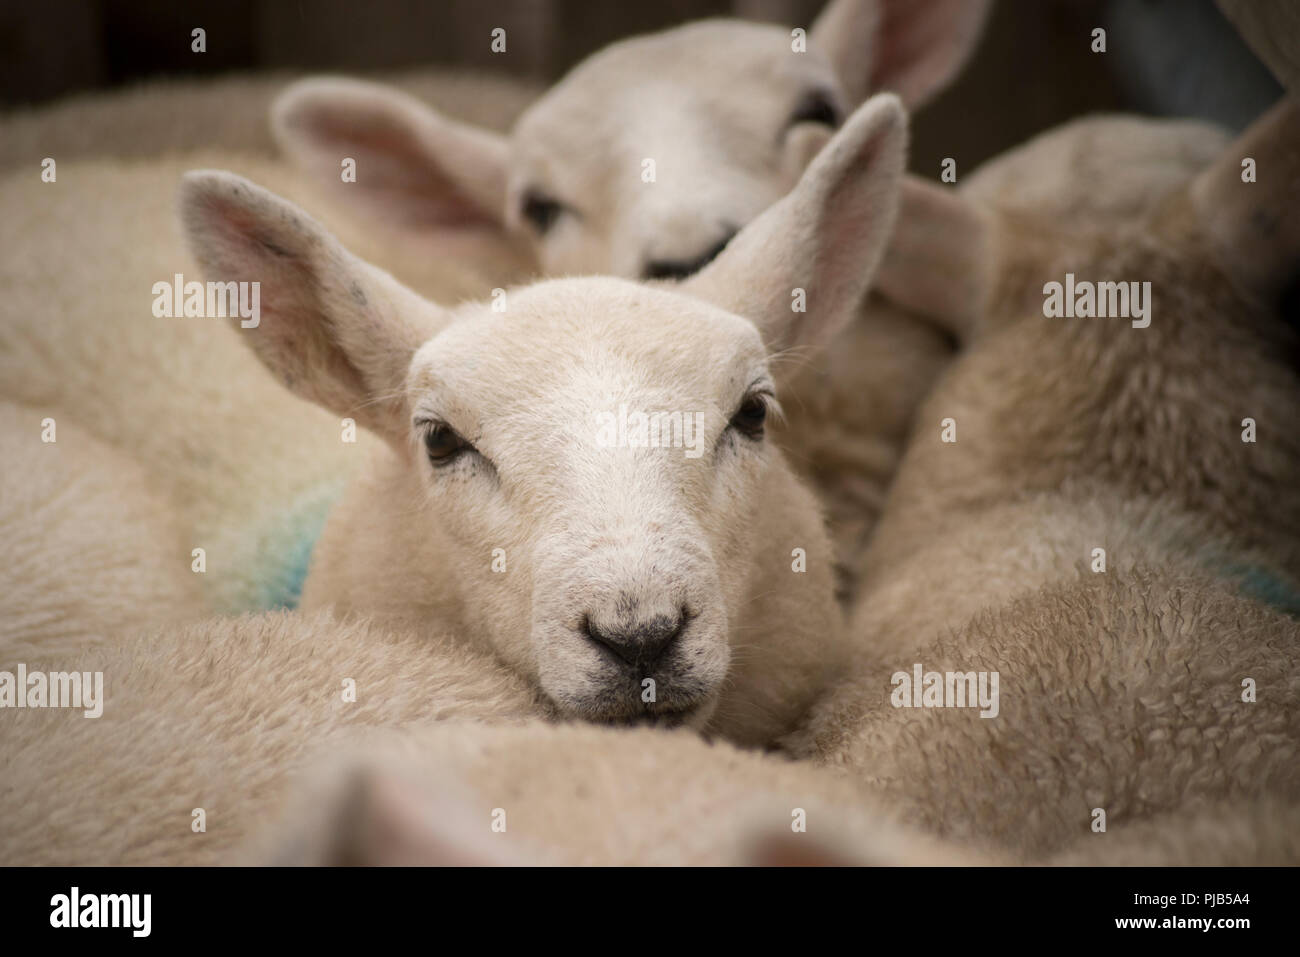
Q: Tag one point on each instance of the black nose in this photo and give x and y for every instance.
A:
(639, 643)
(681, 268)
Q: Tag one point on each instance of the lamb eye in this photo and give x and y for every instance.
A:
(750, 417)
(444, 446)
(816, 107)
(541, 211)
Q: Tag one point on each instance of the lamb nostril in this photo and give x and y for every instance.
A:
(641, 643)
(681, 268)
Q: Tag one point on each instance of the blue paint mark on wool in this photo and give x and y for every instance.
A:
(290, 552)
(295, 571)
(1263, 585)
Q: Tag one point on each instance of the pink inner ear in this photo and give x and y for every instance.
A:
(784, 850)
(399, 825)
(923, 44)
(398, 179)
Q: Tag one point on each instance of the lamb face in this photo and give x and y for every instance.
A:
(576, 475)
(605, 442)
(670, 165)
(647, 157)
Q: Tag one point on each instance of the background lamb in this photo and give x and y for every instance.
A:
(583, 795)
(623, 580)
(252, 470)
(1124, 684)
(91, 544)
(222, 715)
(167, 117)
(249, 471)
(579, 795)
(247, 719)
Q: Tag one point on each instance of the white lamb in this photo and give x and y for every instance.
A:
(458, 794)
(164, 117)
(91, 544)
(678, 572)
(285, 738)
(220, 717)
(1107, 531)
(246, 471)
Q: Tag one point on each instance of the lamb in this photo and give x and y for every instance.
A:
(1102, 532)
(629, 583)
(1236, 351)
(90, 544)
(582, 795)
(578, 795)
(728, 113)
(247, 472)
(252, 471)
(180, 397)
(1264, 833)
(731, 111)
(247, 721)
(205, 727)
(161, 117)
(1271, 29)
(255, 753)
(1127, 694)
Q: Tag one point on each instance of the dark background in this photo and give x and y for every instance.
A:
(1033, 69)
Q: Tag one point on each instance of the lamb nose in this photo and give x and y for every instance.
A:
(639, 643)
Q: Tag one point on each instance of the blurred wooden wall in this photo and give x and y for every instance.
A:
(1033, 69)
(53, 47)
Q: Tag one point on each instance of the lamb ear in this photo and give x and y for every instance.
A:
(387, 821)
(1272, 31)
(910, 47)
(777, 849)
(414, 167)
(939, 261)
(1253, 228)
(800, 270)
(334, 329)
